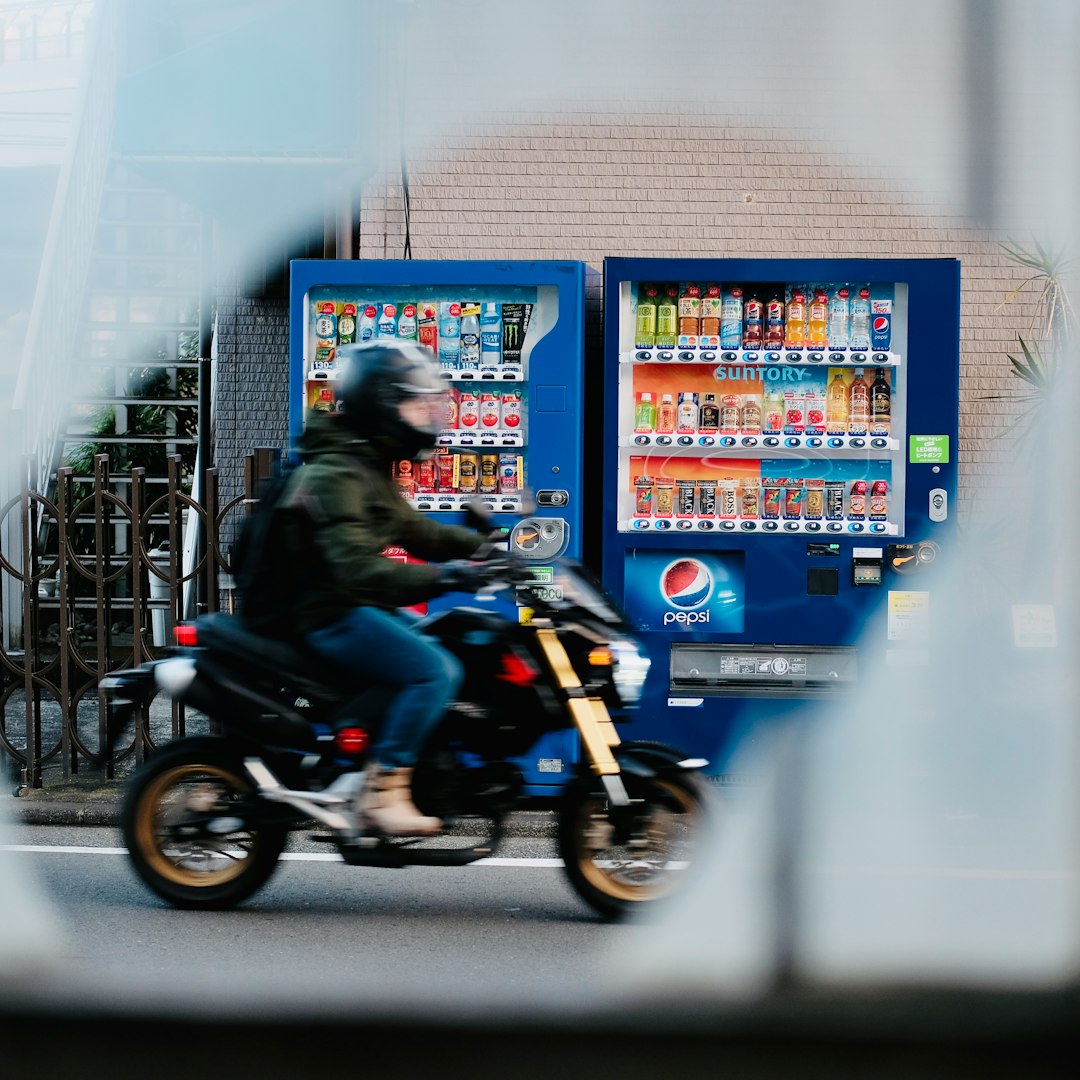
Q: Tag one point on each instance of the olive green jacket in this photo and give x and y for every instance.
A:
(342, 509)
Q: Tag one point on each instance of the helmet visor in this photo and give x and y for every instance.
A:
(425, 412)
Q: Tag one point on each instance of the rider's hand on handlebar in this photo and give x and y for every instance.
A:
(493, 546)
(511, 568)
(463, 575)
(502, 568)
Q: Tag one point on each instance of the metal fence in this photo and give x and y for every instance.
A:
(101, 573)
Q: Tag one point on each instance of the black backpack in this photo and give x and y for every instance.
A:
(264, 574)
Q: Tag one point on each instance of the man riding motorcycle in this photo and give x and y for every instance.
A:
(342, 597)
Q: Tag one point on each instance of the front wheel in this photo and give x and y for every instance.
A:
(189, 822)
(618, 858)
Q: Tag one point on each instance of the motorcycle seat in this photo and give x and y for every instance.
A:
(227, 635)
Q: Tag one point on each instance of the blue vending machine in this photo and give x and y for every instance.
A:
(509, 337)
(780, 443)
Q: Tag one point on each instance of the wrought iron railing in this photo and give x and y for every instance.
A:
(99, 579)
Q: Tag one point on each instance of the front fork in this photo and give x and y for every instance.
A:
(590, 716)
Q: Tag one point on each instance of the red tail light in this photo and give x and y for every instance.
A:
(352, 740)
(517, 670)
(186, 634)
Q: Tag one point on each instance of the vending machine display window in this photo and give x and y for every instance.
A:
(748, 407)
(483, 339)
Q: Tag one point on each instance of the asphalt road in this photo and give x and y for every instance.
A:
(508, 929)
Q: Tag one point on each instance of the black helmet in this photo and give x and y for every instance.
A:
(393, 396)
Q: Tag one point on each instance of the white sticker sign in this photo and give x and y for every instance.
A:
(909, 616)
(1034, 626)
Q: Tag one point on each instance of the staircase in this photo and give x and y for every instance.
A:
(135, 391)
(110, 362)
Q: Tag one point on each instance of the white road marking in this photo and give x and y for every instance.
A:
(290, 856)
(958, 872)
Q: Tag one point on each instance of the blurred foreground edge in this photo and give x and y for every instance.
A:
(873, 1034)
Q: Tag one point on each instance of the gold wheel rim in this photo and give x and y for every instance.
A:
(608, 879)
(162, 854)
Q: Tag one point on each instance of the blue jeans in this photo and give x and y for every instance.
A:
(379, 646)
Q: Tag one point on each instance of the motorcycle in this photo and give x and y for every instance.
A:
(205, 818)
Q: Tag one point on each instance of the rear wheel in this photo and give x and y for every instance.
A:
(188, 825)
(619, 858)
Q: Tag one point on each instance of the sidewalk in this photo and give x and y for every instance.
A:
(70, 802)
(96, 802)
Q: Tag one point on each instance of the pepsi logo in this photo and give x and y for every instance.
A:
(686, 583)
(881, 324)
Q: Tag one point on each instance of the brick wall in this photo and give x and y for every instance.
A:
(576, 185)
(251, 407)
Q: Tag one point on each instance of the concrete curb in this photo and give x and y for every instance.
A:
(104, 812)
(31, 811)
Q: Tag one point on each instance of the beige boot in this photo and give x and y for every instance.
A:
(387, 804)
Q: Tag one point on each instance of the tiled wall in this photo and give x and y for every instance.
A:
(577, 185)
(251, 398)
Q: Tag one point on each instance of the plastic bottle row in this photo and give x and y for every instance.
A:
(840, 408)
(466, 336)
(692, 315)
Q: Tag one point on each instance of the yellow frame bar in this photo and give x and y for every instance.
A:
(590, 714)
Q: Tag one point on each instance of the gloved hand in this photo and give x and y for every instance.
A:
(493, 546)
(468, 575)
(511, 568)
(463, 575)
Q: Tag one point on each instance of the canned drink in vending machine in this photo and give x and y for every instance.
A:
(771, 497)
(750, 498)
(468, 470)
(834, 500)
(686, 498)
(643, 497)
(879, 500)
(406, 479)
(425, 476)
(446, 471)
(665, 498)
(450, 420)
(468, 410)
(857, 500)
(815, 500)
(511, 409)
(706, 504)
(729, 499)
(489, 474)
(511, 475)
(794, 498)
(490, 410)
(880, 325)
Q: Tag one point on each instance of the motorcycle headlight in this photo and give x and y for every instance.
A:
(629, 669)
